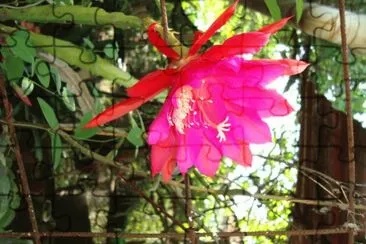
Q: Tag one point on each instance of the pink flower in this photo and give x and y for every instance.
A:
(216, 102)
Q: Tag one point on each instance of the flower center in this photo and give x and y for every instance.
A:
(183, 99)
(188, 110)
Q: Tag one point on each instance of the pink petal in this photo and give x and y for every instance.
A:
(151, 84)
(217, 24)
(267, 102)
(238, 152)
(249, 128)
(162, 154)
(244, 43)
(292, 66)
(262, 72)
(189, 148)
(160, 129)
(209, 159)
(211, 103)
(163, 160)
(274, 27)
(160, 43)
(115, 111)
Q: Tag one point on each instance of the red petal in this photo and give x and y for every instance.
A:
(151, 84)
(19, 92)
(197, 35)
(274, 27)
(160, 43)
(115, 111)
(168, 170)
(217, 24)
(140, 93)
(244, 43)
(26, 100)
(163, 158)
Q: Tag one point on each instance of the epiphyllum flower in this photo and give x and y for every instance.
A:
(216, 101)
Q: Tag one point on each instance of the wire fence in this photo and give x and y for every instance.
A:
(347, 201)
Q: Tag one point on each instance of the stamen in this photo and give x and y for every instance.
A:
(221, 128)
(184, 99)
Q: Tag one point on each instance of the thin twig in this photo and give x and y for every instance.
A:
(350, 136)
(26, 6)
(106, 131)
(18, 156)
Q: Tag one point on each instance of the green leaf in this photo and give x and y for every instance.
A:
(111, 51)
(15, 201)
(68, 99)
(56, 78)
(5, 52)
(4, 183)
(274, 9)
(88, 43)
(21, 46)
(6, 214)
(135, 136)
(14, 68)
(299, 9)
(37, 145)
(48, 113)
(6, 218)
(2, 160)
(43, 73)
(82, 133)
(99, 107)
(63, 2)
(56, 150)
(27, 86)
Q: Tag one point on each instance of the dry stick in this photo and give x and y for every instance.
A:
(153, 204)
(18, 155)
(305, 137)
(350, 136)
(164, 18)
(174, 235)
(188, 193)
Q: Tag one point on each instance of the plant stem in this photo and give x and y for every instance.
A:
(71, 14)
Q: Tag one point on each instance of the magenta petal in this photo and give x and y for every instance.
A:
(267, 102)
(190, 146)
(239, 152)
(163, 158)
(262, 72)
(245, 43)
(213, 106)
(209, 159)
(292, 66)
(249, 128)
(160, 129)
